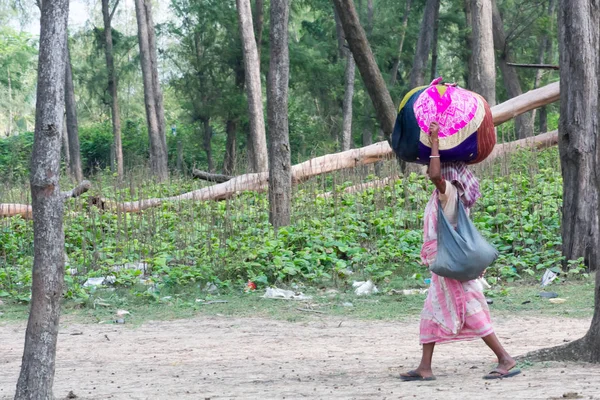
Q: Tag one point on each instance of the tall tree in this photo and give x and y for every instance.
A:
(108, 14)
(578, 133)
(524, 122)
(259, 23)
(482, 68)
(365, 61)
(37, 369)
(75, 169)
(152, 95)
(349, 75)
(280, 169)
(258, 141)
(424, 43)
(545, 56)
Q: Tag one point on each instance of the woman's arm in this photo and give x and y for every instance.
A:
(435, 170)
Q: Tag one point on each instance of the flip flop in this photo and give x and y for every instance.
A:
(500, 373)
(412, 376)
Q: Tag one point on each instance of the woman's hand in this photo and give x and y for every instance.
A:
(434, 130)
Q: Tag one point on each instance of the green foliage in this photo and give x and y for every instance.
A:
(375, 234)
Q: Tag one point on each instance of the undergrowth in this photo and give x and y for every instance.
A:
(374, 234)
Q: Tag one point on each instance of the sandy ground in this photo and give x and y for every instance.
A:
(229, 358)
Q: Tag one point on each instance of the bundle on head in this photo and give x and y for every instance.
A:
(466, 131)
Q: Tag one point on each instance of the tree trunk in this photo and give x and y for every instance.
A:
(434, 45)
(349, 75)
(112, 85)
(10, 116)
(158, 157)
(230, 147)
(545, 53)
(259, 19)
(75, 168)
(206, 141)
(578, 129)
(158, 96)
(423, 48)
(579, 126)
(482, 70)
(524, 122)
(363, 56)
(467, 54)
(396, 66)
(280, 170)
(370, 17)
(37, 369)
(65, 145)
(259, 159)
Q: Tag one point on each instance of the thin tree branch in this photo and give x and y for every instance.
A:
(113, 11)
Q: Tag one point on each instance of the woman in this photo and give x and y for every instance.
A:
(453, 310)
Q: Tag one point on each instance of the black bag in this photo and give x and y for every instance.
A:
(462, 253)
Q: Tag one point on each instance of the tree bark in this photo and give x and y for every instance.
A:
(206, 141)
(349, 75)
(112, 85)
(75, 168)
(158, 155)
(524, 122)
(578, 128)
(365, 61)
(65, 144)
(434, 45)
(423, 48)
(396, 66)
(258, 155)
(230, 147)
(259, 18)
(482, 70)
(280, 171)
(37, 369)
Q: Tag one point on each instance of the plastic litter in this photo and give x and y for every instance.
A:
(409, 292)
(548, 277)
(364, 288)
(557, 300)
(276, 293)
(100, 281)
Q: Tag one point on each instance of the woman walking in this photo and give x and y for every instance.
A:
(453, 310)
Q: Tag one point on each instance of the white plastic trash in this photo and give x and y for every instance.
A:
(276, 293)
(548, 277)
(364, 288)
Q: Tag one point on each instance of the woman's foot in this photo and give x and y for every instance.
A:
(418, 375)
(505, 369)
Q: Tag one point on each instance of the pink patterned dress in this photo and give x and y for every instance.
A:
(453, 310)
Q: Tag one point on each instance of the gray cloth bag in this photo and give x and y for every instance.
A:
(462, 253)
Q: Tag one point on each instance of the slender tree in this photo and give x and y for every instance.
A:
(259, 22)
(75, 169)
(396, 65)
(280, 169)
(258, 141)
(154, 116)
(482, 68)
(424, 43)
(349, 75)
(365, 61)
(108, 14)
(524, 122)
(37, 369)
(579, 131)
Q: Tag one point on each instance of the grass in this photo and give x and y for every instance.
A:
(521, 299)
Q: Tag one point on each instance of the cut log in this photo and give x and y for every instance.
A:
(538, 142)
(207, 176)
(338, 161)
(24, 210)
(526, 102)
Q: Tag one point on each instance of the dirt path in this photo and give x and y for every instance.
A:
(227, 358)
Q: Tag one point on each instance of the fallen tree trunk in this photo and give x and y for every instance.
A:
(347, 159)
(207, 176)
(538, 142)
(24, 210)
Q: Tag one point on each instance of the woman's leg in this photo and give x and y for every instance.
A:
(505, 361)
(424, 369)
